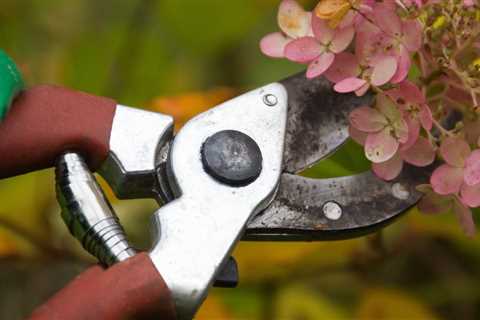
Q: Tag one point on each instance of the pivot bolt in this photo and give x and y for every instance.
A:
(332, 210)
(232, 157)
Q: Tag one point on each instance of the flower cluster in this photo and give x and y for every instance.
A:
(422, 59)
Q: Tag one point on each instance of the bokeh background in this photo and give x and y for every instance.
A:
(182, 57)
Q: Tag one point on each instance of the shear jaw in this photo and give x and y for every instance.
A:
(195, 233)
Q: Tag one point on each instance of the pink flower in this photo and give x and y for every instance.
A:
(412, 103)
(351, 76)
(294, 22)
(319, 51)
(461, 172)
(384, 134)
(390, 36)
(420, 154)
(383, 126)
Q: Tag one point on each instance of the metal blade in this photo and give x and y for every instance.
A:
(317, 120)
(337, 208)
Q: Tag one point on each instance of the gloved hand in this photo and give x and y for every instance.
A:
(11, 83)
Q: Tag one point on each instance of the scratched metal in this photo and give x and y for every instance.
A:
(317, 120)
(368, 203)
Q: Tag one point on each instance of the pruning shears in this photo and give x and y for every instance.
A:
(230, 174)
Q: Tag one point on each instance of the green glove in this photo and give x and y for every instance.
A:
(11, 83)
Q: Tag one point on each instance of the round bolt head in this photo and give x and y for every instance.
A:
(332, 210)
(232, 157)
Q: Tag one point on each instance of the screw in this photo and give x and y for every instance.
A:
(332, 210)
(270, 100)
(400, 191)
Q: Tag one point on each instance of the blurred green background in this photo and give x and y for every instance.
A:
(180, 57)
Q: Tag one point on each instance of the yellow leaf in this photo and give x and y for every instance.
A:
(213, 308)
(298, 302)
(185, 106)
(383, 304)
(333, 10)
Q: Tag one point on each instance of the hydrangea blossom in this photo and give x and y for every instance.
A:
(422, 58)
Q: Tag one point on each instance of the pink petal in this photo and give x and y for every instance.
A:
(342, 39)
(357, 135)
(446, 179)
(470, 195)
(367, 41)
(412, 34)
(349, 85)
(273, 44)
(381, 146)
(293, 20)
(322, 32)
(472, 168)
(383, 70)
(344, 66)
(403, 66)
(318, 66)
(426, 117)
(389, 169)
(348, 20)
(413, 133)
(421, 154)
(408, 92)
(362, 90)
(367, 119)
(387, 19)
(303, 50)
(454, 151)
(464, 215)
(468, 3)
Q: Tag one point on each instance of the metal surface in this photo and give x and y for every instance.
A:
(135, 140)
(227, 277)
(196, 232)
(232, 157)
(317, 120)
(306, 209)
(87, 213)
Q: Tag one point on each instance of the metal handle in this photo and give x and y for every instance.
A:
(87, 213)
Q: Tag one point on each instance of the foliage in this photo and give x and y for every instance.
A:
(174, 56)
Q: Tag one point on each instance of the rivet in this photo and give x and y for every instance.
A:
(400, 192)
(332, 210)
(270, 100)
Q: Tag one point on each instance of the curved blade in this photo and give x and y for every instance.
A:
(366, 203)
(317, 120)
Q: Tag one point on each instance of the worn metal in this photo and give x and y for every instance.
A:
(317, 120)
(367, 203)
(196, 232)
(87, 213)
(232, 157)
